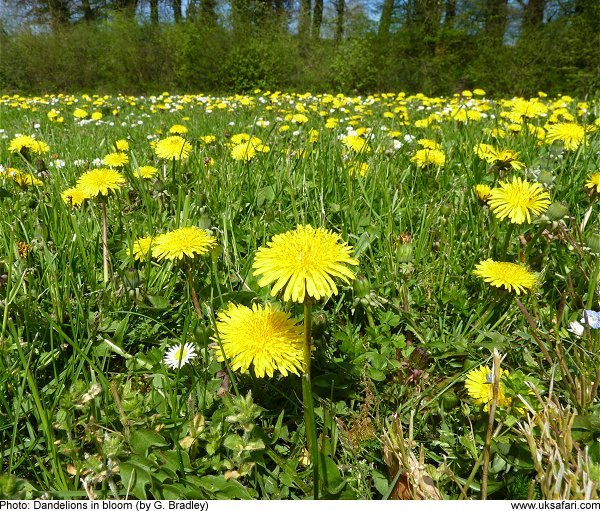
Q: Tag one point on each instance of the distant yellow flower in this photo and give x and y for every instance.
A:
(518, 199)
(427, 143)
(243, 152)
(356, 143)
(25, 179)
(178, 129)
(146, 171)
(121, 145)
(570, 134)
(116, 159)
(100, 182)
(173, 148)
(425, 157)
(304, 261)
(358, 168)
(263, 337)
(208, 139)
(24, 143)
(479, 385)
(186, 241)
(482, 191)
(508, 275)
(594, 182)
(73, 196)
(142, 248)
(80, 113)
(503, 158)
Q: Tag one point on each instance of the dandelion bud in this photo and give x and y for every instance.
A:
(361, 286)
(593, 242)
(557, 211)
(131, 278)
(545, 177)
(405, 248)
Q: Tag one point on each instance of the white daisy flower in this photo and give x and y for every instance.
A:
(177, 356)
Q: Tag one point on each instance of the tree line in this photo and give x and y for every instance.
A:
(434, 46)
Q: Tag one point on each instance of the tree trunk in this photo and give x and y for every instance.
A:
(177, 11)
(496, 16)
(208, 14)
(533, 14)
(317, 19)
(340, 7)
(154, 12)
(88, 13)
(385, 20)
(304, 20)
(60, 13)
(449, 12)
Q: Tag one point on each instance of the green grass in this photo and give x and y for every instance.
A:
(87, 406)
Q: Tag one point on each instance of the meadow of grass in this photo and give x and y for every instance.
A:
(88, 407)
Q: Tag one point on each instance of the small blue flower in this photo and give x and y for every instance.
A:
(593, 319)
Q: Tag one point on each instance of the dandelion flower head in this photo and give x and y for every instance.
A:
(570, 134)
(480, 387)
(304, 261)
(518, 199)
(263, 337)
(73, 196)
(115, 159)
(173, 148)
(186, 241)
(512, 277)
(594, 182)
(100, 182)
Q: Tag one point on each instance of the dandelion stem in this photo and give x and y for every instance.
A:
(492, 413)
(193, 292)
(309, 411)
(104, 239)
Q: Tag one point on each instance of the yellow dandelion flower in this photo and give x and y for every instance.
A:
(80, 113)
(186, 241)
(425, 157)
(262, 337)
(39, 147)
(208, 139)
(178, 129)
(115, 160)
(508, 275)
(518, 199)
(427, 143)
(173, 148)
(570, 134)
(356, 143)
(358, 169)
(304, 261)
(482, 191)
(73, 196)
(24, 179)
(142, 248)
(122, 145)
(243, 152)
(146, 171)
(479, 385)
(100, 182)
(21, 143)
(594, 182)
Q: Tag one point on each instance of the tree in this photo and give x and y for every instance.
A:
(304, 19)
(317, 19)
(340, 7)
(385, 20)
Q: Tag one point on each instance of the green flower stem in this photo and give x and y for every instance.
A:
(509, 232)
(193, 291)
(104, 239)
(309, 410)
(592, 285)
